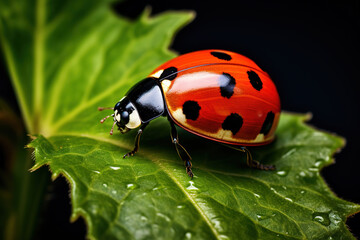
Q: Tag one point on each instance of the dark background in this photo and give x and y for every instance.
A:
(309, 48)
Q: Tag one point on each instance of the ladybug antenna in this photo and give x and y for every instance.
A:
(112, 129)
(103, 120)
(105, 108)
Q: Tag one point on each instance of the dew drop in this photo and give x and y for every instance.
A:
(192, 187)
(131, 186)
(257, 195)
(289, 199)
(143, 218)
(115, 168)
(180, 206)
(313, 169)
(105, 185)
(318, 162)
(217, 224)
(114, 192)
(322, 218)
(261, 217)
(309, 175)
(334, 218)
(319, 219)
(188, 235)
(281, 173)
(224, 237)
(163, 216)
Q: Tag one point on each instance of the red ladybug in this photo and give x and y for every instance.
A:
(219, 95)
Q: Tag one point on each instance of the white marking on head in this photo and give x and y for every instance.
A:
(134, 120)
(117, 116)
(157, 74)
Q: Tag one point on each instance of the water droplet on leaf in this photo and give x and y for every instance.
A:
(131, 186)
(334, 218)
(224, 237)
(261, 217)
(115, 168)
(257, 195)
(281, 173)
(188, 235)
(192, 187)
(163, 216)
(322, 218)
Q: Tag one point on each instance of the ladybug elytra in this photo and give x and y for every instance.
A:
(219, 95)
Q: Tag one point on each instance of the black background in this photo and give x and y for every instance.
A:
(309, 48)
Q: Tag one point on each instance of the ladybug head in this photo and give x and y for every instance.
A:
(126, 116)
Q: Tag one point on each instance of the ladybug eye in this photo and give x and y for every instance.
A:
(124, 117)
(134, 120)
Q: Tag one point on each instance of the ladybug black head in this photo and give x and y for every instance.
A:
(141, 104)
(126, 115)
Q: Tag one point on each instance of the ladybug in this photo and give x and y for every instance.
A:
(219, 95)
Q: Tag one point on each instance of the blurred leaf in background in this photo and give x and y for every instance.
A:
(21, 192)
(66, 58)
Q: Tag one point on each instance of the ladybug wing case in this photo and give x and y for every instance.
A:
(226, 97)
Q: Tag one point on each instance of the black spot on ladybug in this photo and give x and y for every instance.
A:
(169, 73)
(233, 122)
(255, 80)
(227, 84)
(191, 110)
(269, 120)
(221, 55)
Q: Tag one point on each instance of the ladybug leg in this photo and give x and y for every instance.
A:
(253, 163)
(137, 141)
(183, 154)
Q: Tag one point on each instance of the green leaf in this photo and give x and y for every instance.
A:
(150, 195)
(67, 58)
